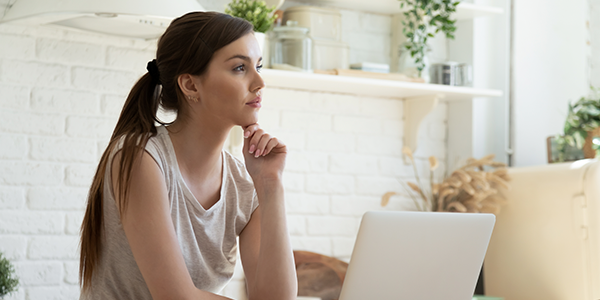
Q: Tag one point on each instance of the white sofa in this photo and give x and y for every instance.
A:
(546, 243)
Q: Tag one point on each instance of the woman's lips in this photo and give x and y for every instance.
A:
(255, 103)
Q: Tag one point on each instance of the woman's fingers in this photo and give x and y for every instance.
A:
(254, 139)
(259, 142)
(250, 129)
(270, 145)
(262, 144)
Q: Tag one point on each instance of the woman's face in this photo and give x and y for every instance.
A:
(230, 90)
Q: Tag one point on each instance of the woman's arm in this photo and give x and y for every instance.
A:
(265, 247)
(149, 230)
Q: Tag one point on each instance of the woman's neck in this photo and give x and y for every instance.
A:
(198, 146)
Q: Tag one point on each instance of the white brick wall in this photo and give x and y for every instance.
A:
(367, 34)
(61, 93)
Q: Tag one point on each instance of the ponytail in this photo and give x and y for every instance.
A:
(134, 127)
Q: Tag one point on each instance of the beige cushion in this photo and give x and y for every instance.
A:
(546, 241)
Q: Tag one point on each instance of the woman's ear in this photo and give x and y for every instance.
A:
(188, 86)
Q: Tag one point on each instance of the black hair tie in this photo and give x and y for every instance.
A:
(152, 68)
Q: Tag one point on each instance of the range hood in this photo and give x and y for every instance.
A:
(145, 19)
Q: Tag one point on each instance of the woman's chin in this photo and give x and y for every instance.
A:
(248, 122)
(252, 119)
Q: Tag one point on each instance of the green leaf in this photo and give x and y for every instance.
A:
(594, 124)
(579, 137)
(8, 280)
(423, 18)
(573, 120)
(567, 128)
(255, 12)
(591, 110)
(590, 125)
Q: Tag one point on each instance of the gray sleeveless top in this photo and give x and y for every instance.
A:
(207, 238)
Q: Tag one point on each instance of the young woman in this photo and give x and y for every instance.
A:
(167, 204)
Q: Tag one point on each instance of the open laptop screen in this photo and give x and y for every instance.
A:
(417, 256)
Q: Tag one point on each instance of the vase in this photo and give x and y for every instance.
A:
(408, 67)
(588, 151)
(263, 43)
(569, 153)
(260, 37)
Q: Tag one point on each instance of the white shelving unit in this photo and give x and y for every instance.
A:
(419, 98)
(369, 87)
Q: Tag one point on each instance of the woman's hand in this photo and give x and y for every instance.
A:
(265, 247)
(264, 154)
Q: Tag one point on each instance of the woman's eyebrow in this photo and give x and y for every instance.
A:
(240, 56)
(243, 57)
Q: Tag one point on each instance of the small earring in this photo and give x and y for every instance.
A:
(192, 98)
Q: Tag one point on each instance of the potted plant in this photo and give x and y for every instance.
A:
(8, 279)
(472, 188)
(581, 128)
(255, 12)
(422, 20)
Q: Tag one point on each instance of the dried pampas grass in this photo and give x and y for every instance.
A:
(386, 198)
(433, 163)
(472, 188)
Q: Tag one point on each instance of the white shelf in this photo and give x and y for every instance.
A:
(419, 98)
(464, 11)
(370, 87)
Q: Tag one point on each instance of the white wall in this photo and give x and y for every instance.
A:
(594, 38)
(491, 61)
(550, 69)
(367, 34)
(60, 95)
(480, 127)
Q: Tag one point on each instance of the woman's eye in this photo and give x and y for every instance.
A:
(258, 68)
(239, 68)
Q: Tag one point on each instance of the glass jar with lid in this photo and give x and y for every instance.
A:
(290, 48)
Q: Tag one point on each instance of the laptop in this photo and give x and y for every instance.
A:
(417, 256)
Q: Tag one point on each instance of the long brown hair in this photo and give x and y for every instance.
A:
(186, 47)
